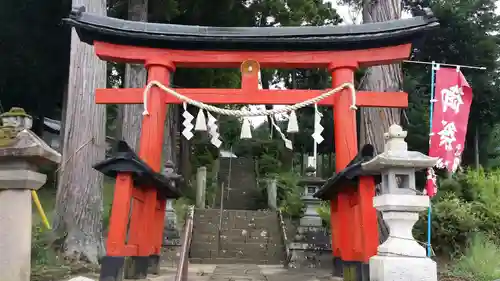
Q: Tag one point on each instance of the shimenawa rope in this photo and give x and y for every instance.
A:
(246, 113)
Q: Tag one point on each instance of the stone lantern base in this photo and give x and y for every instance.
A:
(387, 268)
(401, 257)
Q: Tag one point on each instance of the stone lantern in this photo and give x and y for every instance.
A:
(311, 246)
(16, 118)
(400, 257)
(311, 185)
(21, 153)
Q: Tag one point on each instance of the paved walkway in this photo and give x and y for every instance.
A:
(247, 272)
(240, 272)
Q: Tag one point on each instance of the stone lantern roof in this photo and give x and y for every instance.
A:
(18, 141)
(396, 154)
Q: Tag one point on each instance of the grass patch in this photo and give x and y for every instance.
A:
(45, 263)
(479, 262)
(47, 198)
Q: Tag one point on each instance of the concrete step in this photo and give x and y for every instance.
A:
(234, 261)
(244, 235)
(242, 250)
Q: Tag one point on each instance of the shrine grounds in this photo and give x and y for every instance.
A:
(466, 221)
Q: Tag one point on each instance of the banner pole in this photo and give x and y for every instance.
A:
(431, 113)
(445, 64)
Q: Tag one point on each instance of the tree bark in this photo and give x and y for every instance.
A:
(78, 216)
(384, 78)
(171, 136)
(135, 77)
(131, 114)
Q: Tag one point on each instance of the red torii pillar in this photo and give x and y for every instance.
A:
(354, 235)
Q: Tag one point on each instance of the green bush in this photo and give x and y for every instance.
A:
(289, 194)
(466, 204)
(324, 214)
(480, 261)
(41, 252)
(483, 188)
(269, 164)
(453, 222)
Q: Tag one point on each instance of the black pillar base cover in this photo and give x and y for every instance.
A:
(154, 265)
(136, 267)
(112, 268)
(337, 267)
(356, 271)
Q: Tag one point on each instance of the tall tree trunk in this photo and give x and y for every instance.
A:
(171, 135)
(131, 114)
(382, 78)
(79, 207)
(135, 77)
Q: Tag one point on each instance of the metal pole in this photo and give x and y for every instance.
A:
(445, 64)
(315, 146)
(431, 113)
(220, 216)
(229, 172)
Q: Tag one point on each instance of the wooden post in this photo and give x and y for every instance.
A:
(144, 225)
(201, 187)
(118, 220)
(368, 220)
(346, 146)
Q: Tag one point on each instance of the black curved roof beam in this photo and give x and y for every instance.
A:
(91, 27)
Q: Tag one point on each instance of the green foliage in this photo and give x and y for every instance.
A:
(466, 204)
(453, 222)
(41, 253)
(268, 165)
(324, 213)
(480, 260)
(493, 148)
(181, 206)
(467, 36)
(289, 194)
(46, 264)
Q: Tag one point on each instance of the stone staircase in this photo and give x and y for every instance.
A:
(246, 237)
(240, 190)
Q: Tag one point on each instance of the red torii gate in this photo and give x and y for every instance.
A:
(341, 51)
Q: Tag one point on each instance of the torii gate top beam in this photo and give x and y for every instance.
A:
(92, 27)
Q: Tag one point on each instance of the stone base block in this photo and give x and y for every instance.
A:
(136, 267)
(112, 268)
(338, 267)
(385, 268)
(154, 265)
(355, 271)
(311, 258)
